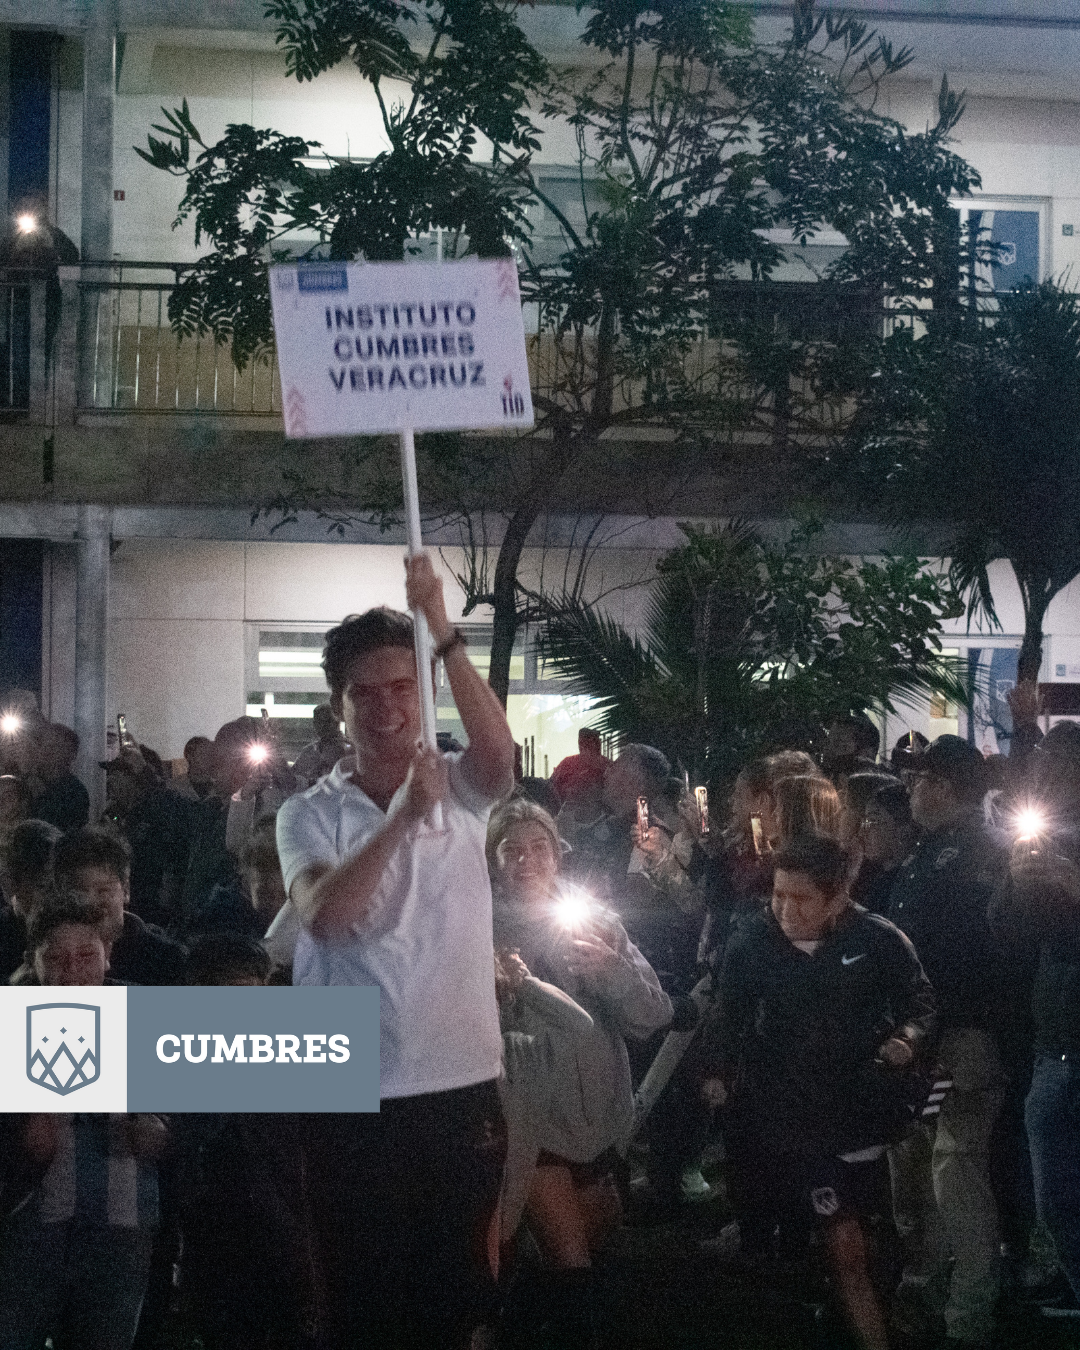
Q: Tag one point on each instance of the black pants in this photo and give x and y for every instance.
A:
(399, 1205)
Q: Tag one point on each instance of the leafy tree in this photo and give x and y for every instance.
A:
(252, 193)
(745, 641)
(664, 345)
(975, 424)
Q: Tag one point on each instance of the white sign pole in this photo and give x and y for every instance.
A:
(420, 626)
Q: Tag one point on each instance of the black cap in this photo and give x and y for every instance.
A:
(1063, 739)
(955, 760)
(128, 760)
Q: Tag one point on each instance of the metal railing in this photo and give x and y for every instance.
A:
(133, 361)
(14, 346)
(137, 363)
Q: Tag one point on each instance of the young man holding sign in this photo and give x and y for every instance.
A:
(400, 1201)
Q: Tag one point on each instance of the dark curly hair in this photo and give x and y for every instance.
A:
(360, 634)
(92, 846)
(56, 910)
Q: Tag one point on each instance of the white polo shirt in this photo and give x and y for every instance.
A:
(426, 941)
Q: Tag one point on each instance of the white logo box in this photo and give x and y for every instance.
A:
(35, 1033)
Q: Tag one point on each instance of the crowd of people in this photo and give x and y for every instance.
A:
(858, 983)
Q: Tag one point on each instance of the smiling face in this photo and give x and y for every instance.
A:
(803, 910)
(527, 861)
(73, 953)
(103, 887)
(380, 706)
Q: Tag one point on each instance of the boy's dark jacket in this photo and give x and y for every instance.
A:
(796, 1037)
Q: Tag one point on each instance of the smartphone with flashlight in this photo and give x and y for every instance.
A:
(643, 817)
(1030, 827)
(701, 797)
(758, 831)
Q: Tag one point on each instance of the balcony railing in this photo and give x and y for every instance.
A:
(99, 340)
(135, 362)
(15, 346)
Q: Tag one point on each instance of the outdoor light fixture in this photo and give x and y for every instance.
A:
(27, 223)
(10, 724)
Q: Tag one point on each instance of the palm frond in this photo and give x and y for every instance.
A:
(599, 659)
(972, 554)
(946, 677)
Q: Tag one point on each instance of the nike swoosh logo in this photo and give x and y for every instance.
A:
(850, 960)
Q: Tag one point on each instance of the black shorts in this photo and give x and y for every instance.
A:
(799, 1195)
(591, 1173)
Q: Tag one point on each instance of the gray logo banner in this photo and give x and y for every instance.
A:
(62, 1046)
(201, 1048)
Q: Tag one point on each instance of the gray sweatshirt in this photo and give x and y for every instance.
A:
(543, 1033)
(594, 1107)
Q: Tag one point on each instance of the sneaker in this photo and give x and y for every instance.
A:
(694, 1187)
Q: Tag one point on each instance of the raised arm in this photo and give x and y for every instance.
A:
(489, 760)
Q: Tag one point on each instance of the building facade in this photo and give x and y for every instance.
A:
(130, 465)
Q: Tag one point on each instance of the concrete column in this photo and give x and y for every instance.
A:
(92, 647)
(99, 105)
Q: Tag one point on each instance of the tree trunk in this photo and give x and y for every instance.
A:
(603, 399)
(504, 594)
(1036, 604)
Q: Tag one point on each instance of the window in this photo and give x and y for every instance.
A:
(544, 716)
(1017, 227)
(284, 677)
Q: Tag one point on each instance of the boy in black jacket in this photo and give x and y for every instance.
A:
(821, 1014)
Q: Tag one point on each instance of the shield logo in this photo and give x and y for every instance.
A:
(62, 1046)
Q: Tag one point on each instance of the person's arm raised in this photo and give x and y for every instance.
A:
(330, 900)
(489, 760)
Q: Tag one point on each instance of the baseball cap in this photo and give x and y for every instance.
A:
(956, 761)
(128, 759)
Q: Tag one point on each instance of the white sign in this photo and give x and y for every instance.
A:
(373, 347)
